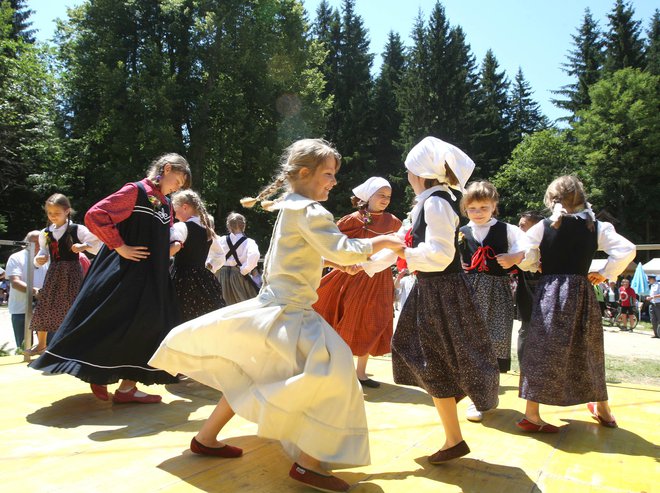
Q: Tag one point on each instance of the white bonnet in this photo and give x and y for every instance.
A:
(427, 160)
(370, 187)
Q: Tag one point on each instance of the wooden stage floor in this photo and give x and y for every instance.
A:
(56, 437)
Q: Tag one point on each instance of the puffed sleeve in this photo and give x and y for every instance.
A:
(532, 258)
(252, 257)
(90, 239)
(437, 251)
(216, 257)
(519, 242)
(179, 232)
(317, 227)
(620, 251)
(43, 248)
(102, 218)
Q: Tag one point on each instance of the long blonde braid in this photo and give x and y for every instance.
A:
(304, 153)
(193, 199)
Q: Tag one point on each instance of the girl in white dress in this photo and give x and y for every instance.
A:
(277, 362)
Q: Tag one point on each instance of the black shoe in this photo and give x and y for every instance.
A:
(372, 384)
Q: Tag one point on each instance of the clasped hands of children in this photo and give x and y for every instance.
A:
(391, 242)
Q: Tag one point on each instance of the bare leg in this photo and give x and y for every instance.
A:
(361, 368)
(533, 413)
(446, 408)
(42, 342)
(208, 433)
(604, 411)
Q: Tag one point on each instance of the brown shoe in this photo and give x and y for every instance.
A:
(316, 480)
(442, 456)
(226, 451)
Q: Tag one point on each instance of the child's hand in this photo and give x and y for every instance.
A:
(595, 277)
(392, 242)
(41, 259)
(79, 247)
(508, 260)
(135, 253)
(351, 270)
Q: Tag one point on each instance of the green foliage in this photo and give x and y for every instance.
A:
(491, 140)
(525, 115)
(584, 64)
(618, 135)
(652, 54)
(534, 163)
(624, 45)
(27, 115)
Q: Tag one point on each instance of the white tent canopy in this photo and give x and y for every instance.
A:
(652, 266)
(598, 264)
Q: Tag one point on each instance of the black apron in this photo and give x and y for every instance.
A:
(124, 309)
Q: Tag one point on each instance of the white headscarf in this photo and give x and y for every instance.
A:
(370, 187)
(427, 160)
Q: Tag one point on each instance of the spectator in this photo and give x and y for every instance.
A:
(654, 305)
(17, 266)
(628, 298)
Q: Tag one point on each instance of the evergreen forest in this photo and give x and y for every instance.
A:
(230, 83)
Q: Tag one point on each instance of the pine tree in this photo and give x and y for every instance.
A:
(463, 92)
(387, 119)
(584, 64)
(526, 115)
(355, 83)
(413, 93)
(653, 47)
(327, 31)
(491, 139)
(624, 45)
(20, 22)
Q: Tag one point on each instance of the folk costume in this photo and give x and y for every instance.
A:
(563, 363)
(65, 275)
(197, 289)
(125, 308)
(236, 257)
(479, 245)
(277, 362)
(440, 343)
(361, 307)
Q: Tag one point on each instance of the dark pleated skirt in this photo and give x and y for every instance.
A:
(564, 361)
(441, 343)
(122, 313)
(197, 290)
(494, 300)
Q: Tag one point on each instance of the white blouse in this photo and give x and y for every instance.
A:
(84, 236)
(437, 251)
(248, 253)
(517, 241)
(620, 251)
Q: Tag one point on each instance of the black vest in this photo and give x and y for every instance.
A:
(419, 230)
(61, 249)
(196, 247)
(569, 249)
(496, 239)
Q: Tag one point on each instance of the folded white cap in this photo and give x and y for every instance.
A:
(370, 187)
(427, 160)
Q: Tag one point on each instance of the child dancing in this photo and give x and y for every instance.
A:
(441, 343)
(277, 362)
(563, 363)
(360, 305)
